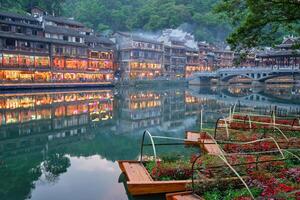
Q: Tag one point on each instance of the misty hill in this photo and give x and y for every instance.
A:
(194, 16)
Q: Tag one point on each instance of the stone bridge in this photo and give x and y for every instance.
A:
(258, 74)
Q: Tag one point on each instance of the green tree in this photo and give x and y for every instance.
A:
(260, 22)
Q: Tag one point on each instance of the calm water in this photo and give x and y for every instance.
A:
(64, 144)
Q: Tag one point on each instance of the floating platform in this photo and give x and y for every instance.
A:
(140, 182)
(183, 196)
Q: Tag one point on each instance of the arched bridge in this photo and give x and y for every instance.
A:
(260, 74)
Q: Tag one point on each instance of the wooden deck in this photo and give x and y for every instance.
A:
(139, 181)
(183, 196)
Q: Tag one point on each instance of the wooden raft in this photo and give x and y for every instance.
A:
(183, 196)
(139, 181)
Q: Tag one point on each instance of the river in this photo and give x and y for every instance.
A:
(65, 144)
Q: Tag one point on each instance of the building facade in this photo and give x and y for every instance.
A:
(283, 55)
(139, 58)
(192, 62)
(42, 49)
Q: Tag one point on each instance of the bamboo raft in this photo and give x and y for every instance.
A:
(139, 181)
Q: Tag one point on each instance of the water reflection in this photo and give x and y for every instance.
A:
(64, 144)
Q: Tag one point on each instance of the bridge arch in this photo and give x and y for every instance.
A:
(276, 75)
(226, 77)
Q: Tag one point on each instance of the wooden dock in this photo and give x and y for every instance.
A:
(140, 182)
(183, 196)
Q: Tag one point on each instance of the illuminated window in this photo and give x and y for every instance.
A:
(71, 64)
(12, 75)
(10, 60)
(42, 76)
(42, 61)
(26, 76)
(26, 61)
(59, 63)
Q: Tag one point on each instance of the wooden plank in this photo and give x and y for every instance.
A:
(156, 187)
(136, 172)
(209, 146)
(183, 196)
(192, 138)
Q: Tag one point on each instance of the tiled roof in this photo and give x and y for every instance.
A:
(38, 39)
(63, 20)
(18, 16)
(62, 30)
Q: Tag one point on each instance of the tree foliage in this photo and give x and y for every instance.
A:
(154, 15)
(22, 6)
(260, 22)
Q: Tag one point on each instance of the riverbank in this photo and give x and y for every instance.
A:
(156, 83)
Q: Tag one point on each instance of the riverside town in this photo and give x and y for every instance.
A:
(150, 100)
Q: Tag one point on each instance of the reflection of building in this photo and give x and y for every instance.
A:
(140, 110)
(41, 49)
(41, 118)
(173, 109)
(139, 57)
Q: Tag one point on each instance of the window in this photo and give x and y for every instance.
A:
(18, 29)
(77, 39)
(65, 38)
(5, 28)
(42, 61)
(59, 63)
(10, 60)
(58, 50)
(34, 32)
(26, 61)
(10, 42)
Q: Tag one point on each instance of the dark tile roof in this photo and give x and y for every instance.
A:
(63, 20)
(62, 30)
(38, 39)
(99, 48)
(138, 38)
(21, 24)
(279, 53)
(98, 39)
(18, 16)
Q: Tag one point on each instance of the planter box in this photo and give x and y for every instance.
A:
(139, 181)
